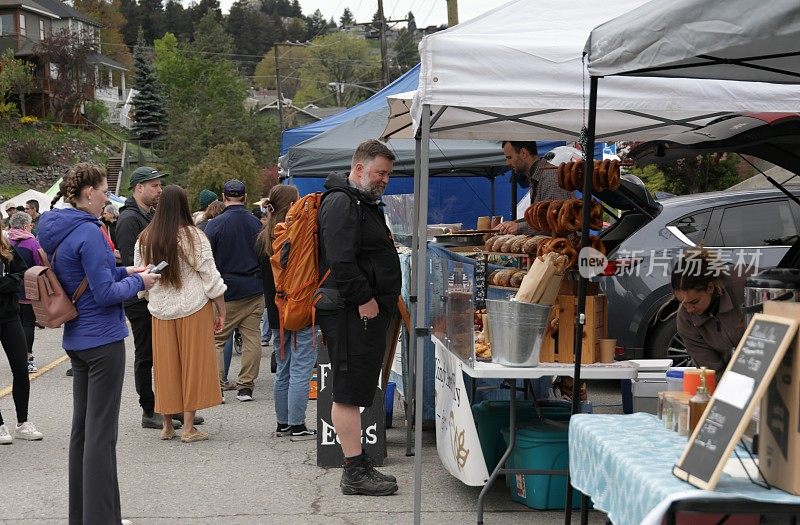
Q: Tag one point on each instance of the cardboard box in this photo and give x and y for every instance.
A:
(779, 442)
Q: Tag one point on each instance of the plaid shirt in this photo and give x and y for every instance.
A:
(544, 187)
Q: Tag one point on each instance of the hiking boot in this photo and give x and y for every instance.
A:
(197, 420)
(362, 480)
(194, 436)
(155, 421)
(302, 433)
(5, 436)
(370, 464)
(245, 394)
(282, 430)
(27, 432)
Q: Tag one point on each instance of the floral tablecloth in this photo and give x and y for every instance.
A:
(624, 463)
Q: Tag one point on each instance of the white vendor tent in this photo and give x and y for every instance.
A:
(719, 39)
(25, 196)
(517, 73)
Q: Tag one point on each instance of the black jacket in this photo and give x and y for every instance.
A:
(357, 246)
(132, 221)
(269, 292)
(232, 235)
(11, 275)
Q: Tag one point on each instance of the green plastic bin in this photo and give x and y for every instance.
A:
(492, 416)
(540, 445)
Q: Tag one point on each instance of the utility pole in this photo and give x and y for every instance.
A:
(384, 52)
(452, 13)
(278, 86)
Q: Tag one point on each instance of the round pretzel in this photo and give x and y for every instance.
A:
(560, 175)
(613, 175)
(552, 216)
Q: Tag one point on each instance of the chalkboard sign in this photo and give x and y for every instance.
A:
(373, 419)
(481, 269)
(728, 413)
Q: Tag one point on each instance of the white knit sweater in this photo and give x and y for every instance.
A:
(200, 280)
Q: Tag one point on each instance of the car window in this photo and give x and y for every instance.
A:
(693, 226)
(758, 224)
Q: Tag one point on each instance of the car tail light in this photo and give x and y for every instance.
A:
(621, 266)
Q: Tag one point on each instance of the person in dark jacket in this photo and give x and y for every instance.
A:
(13, 341)
(22, 240)
(134, 216)
(357, 248)
(233, 240)
(710, 319)
(94, 340)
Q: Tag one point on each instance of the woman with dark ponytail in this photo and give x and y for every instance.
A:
(710, 319)
(94, 340)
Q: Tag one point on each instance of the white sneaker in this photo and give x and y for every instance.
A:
(28, 432)
(5, 437)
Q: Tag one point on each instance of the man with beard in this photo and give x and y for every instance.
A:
(360, 266)
(134, 217)
(523, 159)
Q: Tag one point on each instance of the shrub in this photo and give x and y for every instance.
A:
(29, 152)
(96, 111)
(29, 120)
(8, 111)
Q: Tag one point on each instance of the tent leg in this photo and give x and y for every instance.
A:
(421, 332)
(412, 339)
(580, 318)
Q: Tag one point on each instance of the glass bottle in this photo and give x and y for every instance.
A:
(698, 402)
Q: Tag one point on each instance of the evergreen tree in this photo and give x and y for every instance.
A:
(412, 23)
(252, 33)
(177, 21)
(151, 13)
(149, 111)
(347, 18)
(131, 12)
(317, 26)
(405, 50)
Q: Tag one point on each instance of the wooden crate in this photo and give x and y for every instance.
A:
(561, 350)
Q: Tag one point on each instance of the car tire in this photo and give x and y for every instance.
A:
(663, 342)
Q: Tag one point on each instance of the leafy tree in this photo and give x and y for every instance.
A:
(234, 160)
(210, 36)
(317, 25)
(150, 113)
(296, 30)
(347, 18)
(686, 176)
(341, 59)
(16, 78)
(72, 78)
(112, 24)
(291, 60)
(198, 11)
(252, 32)
(278, 7)
(177, 21)
(405, 50)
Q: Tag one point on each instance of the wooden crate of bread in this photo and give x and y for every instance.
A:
(562, 350)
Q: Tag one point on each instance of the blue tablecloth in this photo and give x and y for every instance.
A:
(624, 462)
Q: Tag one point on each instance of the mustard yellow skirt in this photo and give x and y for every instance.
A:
(185, 363)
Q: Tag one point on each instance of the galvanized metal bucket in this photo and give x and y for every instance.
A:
(516, 331)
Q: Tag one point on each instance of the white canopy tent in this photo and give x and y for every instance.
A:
(25, 196)
(516, 73)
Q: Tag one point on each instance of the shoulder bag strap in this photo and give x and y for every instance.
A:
(81, 287)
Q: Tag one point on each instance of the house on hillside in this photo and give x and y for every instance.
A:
(25, 23)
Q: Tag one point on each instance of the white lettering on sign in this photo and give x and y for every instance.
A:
(324, 371)
(369, 436)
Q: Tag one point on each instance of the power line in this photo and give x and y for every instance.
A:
(425, 22)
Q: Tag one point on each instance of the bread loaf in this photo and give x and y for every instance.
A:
(488, 245)
(516, 278)
(507, 244)
(498, 243)
(519, 240)
(504, 277)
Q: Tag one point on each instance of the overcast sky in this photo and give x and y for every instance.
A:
(426, 12)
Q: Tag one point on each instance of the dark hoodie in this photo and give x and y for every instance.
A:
(357, 246)
(11, 273)
(82, 250)
(131, 222)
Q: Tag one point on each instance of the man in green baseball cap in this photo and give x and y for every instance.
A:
(143, 174)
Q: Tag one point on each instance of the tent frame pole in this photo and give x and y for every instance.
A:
(580, 317)
(421, 333)
(412, 340)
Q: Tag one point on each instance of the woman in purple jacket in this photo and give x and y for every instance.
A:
(94, 340)
(26, 245)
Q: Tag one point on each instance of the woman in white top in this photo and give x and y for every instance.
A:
(184, 320)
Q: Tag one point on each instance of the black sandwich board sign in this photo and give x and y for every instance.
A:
(373, 419)
(744, 382)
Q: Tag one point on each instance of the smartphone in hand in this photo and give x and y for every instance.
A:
(159, 267)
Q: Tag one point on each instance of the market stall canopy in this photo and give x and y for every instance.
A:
(406, 82)
(333, 151)
(516, 73)
(25, 196)
(716, 39)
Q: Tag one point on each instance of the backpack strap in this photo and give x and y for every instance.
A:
(81, 286)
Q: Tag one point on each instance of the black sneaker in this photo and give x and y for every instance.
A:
(361, 480)
(302, 433)
(245, 394)
(282, 430)
(370, 464)
(69, 372)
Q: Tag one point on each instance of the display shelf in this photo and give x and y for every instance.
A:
(507, 288)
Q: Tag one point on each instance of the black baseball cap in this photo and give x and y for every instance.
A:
(234, 188)
(145, 173)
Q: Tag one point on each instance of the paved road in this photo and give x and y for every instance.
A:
(242, 475)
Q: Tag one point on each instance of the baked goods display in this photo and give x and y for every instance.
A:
(483, 348)
(605, 175)
(562, 216)
(507, 277)
(517, 244)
